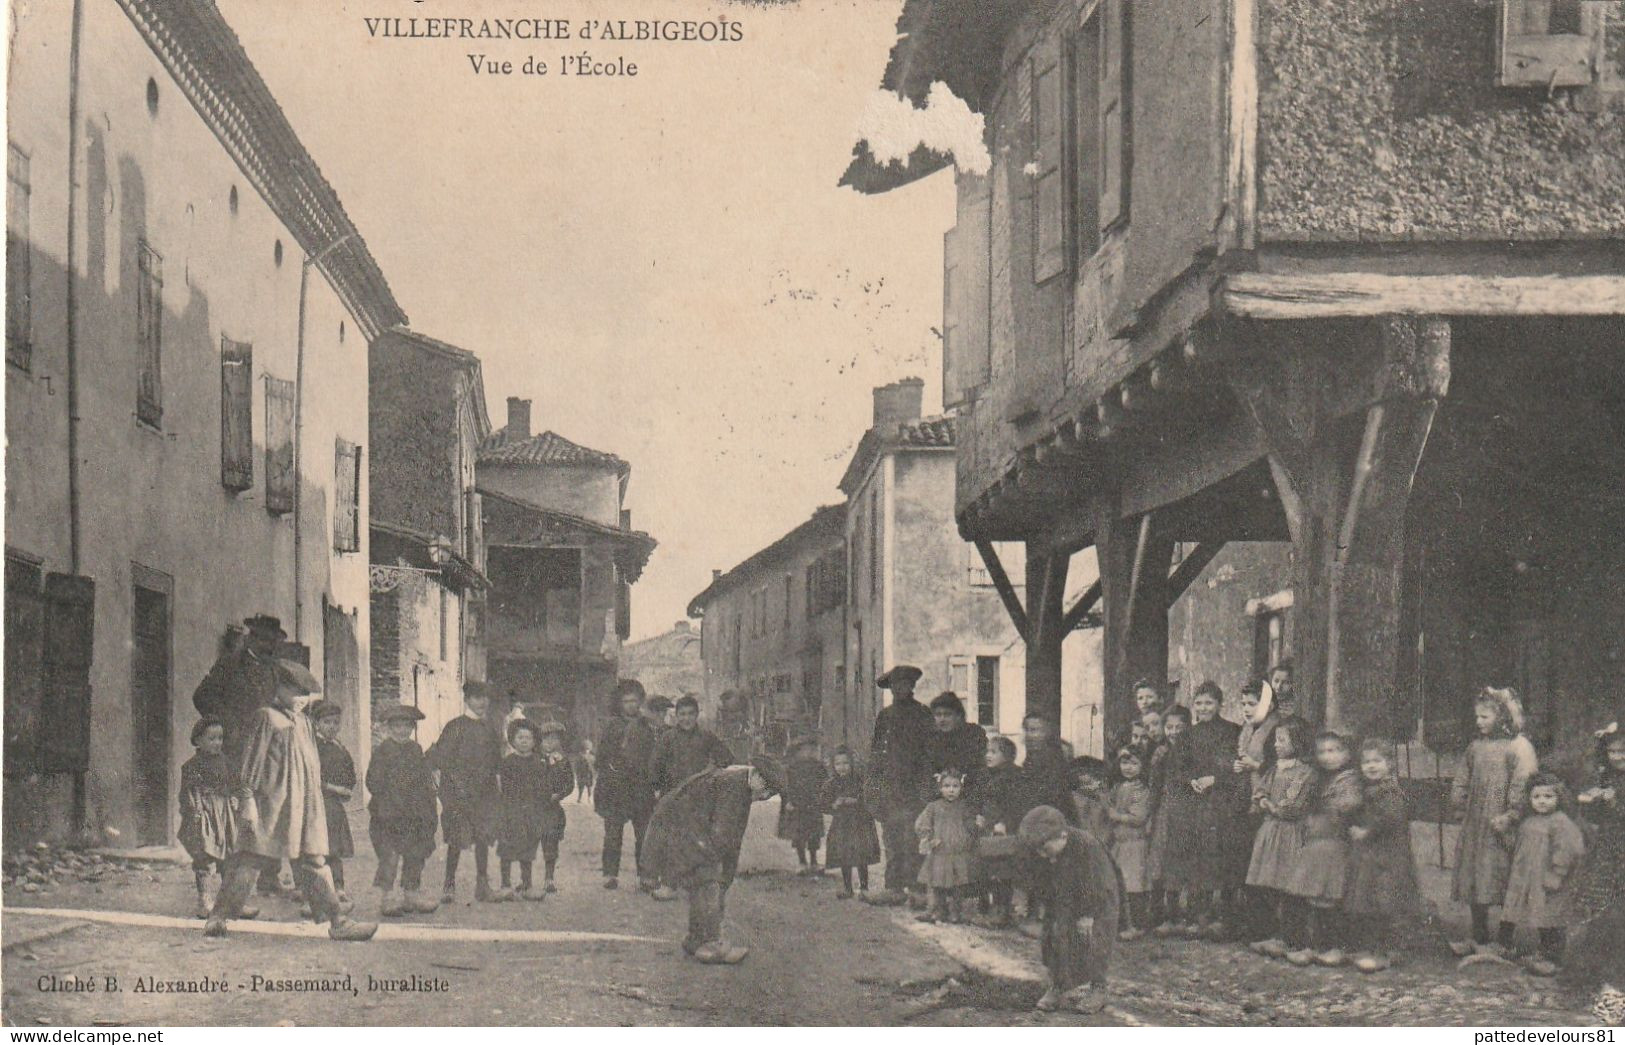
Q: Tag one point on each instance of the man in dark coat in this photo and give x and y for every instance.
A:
(622, 794)
(242, 681)
(694, 839)
(467, 756)
(898, 772)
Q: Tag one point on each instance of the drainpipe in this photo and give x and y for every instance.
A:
(72, 334)
(298, 433)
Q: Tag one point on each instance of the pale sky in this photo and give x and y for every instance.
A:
(663, 264)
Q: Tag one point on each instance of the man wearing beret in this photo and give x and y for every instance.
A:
(278, 800)
(897, 767)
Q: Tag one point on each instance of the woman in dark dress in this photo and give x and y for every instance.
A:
(1222, 798)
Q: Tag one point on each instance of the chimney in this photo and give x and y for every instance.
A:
(518, 418)
(626, 519)
(716, 575)
(897, 403)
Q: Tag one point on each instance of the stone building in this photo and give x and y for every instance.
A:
(1309, 313)
(562, 558)
(669, 663)
(773, 646)
(427, 419)
(187, 321)
(802, 628)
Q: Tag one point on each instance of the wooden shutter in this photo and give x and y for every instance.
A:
(1548, 43)
(236, 414)
(24, 656)
(966, 291)
(1049, 201)
(279, 472)
(346, 496)
(70, 607)
(19, 261)
(1084, 59)
(149, 308)
(1115, 61)
(474, 532)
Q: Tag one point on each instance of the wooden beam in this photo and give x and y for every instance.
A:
(1001, 584)
(1135, 571)
(1080, 609)
(1191, 567)
(1259, 295)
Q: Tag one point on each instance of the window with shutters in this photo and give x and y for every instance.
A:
(1549, 43)
(19, 265)
(346, 496)
(1049, 199)
(279, 472)
(149, 313)
(236, 414)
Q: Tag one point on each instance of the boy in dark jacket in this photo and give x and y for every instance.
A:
(685, 749)
(468, 756)
(1080, 919)
(694, 839)
(401, 813)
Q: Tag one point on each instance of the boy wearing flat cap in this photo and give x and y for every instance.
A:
(693, 842)
(401, 813)
(278, 801)
(1080, 916)
(898, 772)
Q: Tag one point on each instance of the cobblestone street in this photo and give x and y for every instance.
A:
(815, 960)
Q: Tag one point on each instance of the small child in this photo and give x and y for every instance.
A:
(1282, 798)
(1000, 804)
(467, 757)
(1147, 698)
(1550, 847)
(853, 842)
(1322, 870)
(401, 813)
(338, 787)
(1080, 920)
(208, 826)
(561, 780)
(1091, 789)
(524, 797)
(947, 834)
(1598, 897)
(1489, 793)
(1129, 811)
(586, 762)
(1382, 876)
(1176, 828)
(801, 814)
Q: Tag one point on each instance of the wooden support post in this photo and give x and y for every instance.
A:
(1046, 590)
(1351, 477)
(1134, 562)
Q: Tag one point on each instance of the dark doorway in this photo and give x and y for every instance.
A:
(150, 714)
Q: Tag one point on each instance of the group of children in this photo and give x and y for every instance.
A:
(464, 785)
(1298, 840)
